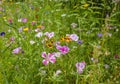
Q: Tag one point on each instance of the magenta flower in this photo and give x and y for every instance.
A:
(80, 66)
(49, 35)
(48, 58)
(63, 49)
(33, 23)
(16, 50)
(24, 20)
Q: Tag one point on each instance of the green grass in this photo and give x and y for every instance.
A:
(26, 67)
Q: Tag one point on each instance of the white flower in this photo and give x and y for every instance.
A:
(57, 54)
(39, 34)
(73, 25)
(63, 15)
(32, 42)
(19, 20)
(57, 72)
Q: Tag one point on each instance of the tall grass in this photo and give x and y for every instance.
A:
(95, 23)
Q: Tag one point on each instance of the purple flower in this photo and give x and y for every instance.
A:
(74, 37)
(63, 49)
(80, 66)
(20, 29)
(24, 20)
(49, 35)
(2, 34)
(48, 58)
(80, 41)
(16, 50)
(99, 35)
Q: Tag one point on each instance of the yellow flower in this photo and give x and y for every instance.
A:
(67, 39)
(39, 26)
(49, 45)
(85, 5)
(62, 39)
(25, 29)
(4, 17)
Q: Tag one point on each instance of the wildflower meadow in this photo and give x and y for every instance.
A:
(60, 42)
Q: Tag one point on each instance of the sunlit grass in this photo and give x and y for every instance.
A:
(48, 42)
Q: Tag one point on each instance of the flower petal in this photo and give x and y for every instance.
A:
(44, 55)
(45, 62)
(52, 60)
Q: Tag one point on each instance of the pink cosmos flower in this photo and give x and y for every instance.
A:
(63, 49)
(49, 35)
(80, 66)
(74, 37)
(16, 50)
(48, 58)
(24, 20)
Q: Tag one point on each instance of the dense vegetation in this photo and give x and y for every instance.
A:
(60, 42)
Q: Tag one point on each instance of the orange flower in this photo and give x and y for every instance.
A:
(67, 39)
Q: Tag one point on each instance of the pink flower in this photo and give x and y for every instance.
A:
(16, 50)
(74, 37)
(63, 49)
(49, 35)
(48, 58)
(80, 66)
(24, 20)
(33, 23)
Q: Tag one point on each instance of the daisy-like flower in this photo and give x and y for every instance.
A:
(74, 37)
(80, 66)
(48, 58)
(63, 49)
(16, 50)
(49, 35)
